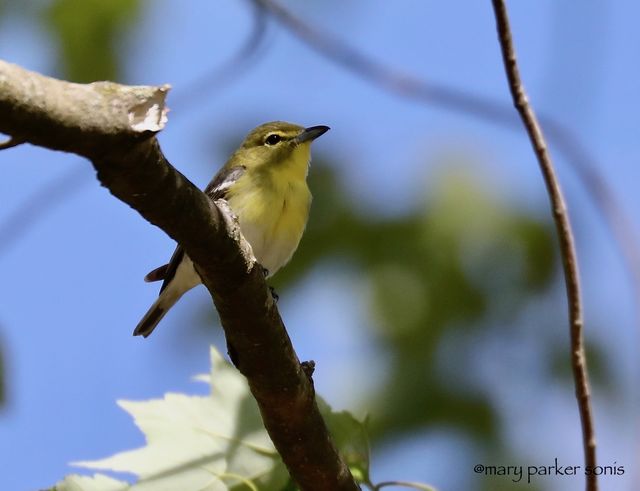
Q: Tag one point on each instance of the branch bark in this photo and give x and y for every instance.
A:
(114, 126)
(565, 235)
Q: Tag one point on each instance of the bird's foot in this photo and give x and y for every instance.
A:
(308, 367)
(274, 295)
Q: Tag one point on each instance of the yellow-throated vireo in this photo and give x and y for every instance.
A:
(265, 184)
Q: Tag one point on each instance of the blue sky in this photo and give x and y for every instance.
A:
(73, 290)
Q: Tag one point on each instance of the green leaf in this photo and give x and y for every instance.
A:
(350, 437)
(98, 482)
(89, 33)
(216, 442)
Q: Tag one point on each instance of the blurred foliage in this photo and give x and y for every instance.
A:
(351, 437)
(472, 261)
(452, 265)
(88, 33)
(461, 261)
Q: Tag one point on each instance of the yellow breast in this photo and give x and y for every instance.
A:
(272, 210)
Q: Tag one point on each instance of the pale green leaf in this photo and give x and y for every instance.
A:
(200, 443)
(98, 482)
(350, 437)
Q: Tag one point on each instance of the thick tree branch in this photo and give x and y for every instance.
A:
(565, 234)
(114, 127)
(41, 201)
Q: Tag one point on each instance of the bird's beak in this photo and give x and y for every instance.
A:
(311, 133)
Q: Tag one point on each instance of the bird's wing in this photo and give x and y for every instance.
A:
(172, 267)
(220, 184)
(157, 274)
(216, 189)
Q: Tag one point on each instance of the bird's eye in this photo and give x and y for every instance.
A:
(273, 139)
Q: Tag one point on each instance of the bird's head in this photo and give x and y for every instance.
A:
(278, 143)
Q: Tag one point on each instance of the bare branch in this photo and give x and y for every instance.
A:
(114, 126)
(565, 235)
(77, 117)
(394, 81)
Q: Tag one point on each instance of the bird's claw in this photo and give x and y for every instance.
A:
(274, 295)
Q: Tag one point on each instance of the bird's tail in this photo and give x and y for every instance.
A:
(160, 307)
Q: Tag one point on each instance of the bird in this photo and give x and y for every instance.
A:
(264, 182)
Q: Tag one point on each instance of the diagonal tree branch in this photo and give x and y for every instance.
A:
(41, 201)
(565, 235)
(114, 127)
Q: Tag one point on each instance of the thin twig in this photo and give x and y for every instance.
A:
(483, 108)
(39, 204)
(185, 97)
(565, 235)
(381, 75)
(404, 484)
